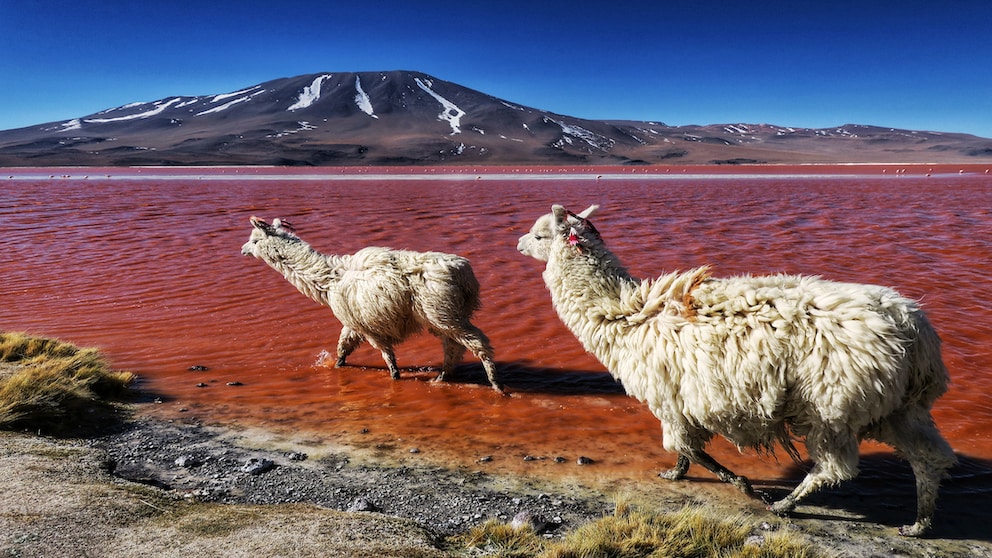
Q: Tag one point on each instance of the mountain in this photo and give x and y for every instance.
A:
(410, 118)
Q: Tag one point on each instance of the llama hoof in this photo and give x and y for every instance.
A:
(782, 507)
(339, 362)
(915, 530)
(672, 475)
(742, 484)
(395, 375)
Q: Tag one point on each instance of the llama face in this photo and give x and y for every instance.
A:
(261, 231)
(537, 243)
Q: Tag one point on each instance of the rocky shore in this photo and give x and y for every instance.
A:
(180, 488)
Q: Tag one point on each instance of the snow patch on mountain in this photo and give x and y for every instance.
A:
(230, 104)
(304, 126)
(578, 132)
(451, 113)
(362, 99)
(159, 107)
(310, 93)
(223, 96)
(74, 124)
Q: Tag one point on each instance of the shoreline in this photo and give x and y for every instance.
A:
(205, 466)
(498, 172)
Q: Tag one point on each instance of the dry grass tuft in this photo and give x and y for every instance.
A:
(496, 538)
(54, 386)
(633, 533)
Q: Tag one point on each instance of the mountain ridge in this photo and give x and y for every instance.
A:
(399, 117)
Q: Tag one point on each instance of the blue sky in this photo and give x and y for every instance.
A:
(903, 64)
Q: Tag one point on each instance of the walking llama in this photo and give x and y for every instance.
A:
(382, 295)
(756, 360)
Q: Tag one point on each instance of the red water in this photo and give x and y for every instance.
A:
(145, 264)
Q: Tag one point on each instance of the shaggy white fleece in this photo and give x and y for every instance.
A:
(757, 360)
(383, 295)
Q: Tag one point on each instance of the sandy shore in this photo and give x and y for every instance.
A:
(172, 488)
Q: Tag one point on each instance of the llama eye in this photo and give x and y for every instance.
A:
(537, 237)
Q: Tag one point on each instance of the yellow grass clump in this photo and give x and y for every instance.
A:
(633, 533)
(54, 386)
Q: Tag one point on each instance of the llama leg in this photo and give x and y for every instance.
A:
(916, 438)
(835, 454)
(723, 473)
(347, 343)
(388, 356)
(453, 353)
(684, 442)
(472, 338)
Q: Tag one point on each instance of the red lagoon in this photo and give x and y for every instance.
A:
(145, 264)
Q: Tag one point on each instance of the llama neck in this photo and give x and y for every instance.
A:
(311, 272)
(588, 289)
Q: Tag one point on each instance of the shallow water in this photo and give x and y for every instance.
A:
(146, 265)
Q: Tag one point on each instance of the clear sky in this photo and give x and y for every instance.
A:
(817, 63)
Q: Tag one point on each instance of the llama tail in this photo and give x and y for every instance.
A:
(928, 374)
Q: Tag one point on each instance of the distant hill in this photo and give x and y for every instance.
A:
(410, 118)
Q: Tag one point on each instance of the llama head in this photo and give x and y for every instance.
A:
(537, 243)
(262, 234)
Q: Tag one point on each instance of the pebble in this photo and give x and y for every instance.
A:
(201, 384)
(485, 459)
(198, 368)
(296, 456)
(526, 519)
(257, 466)
(187, 461)
(583, 460)
(362, 505)
(235, 383)
(754, 540)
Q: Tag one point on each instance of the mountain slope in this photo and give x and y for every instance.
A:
(410, 118)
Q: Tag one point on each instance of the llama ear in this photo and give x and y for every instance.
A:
(589, 211)
(262, 225)
(560, 214)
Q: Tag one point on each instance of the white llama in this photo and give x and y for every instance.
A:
(756, 360)
(382, 295)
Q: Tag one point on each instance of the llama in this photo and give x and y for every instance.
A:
(383, 295)
(756, 360)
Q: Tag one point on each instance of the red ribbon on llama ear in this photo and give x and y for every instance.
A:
(573, 237)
